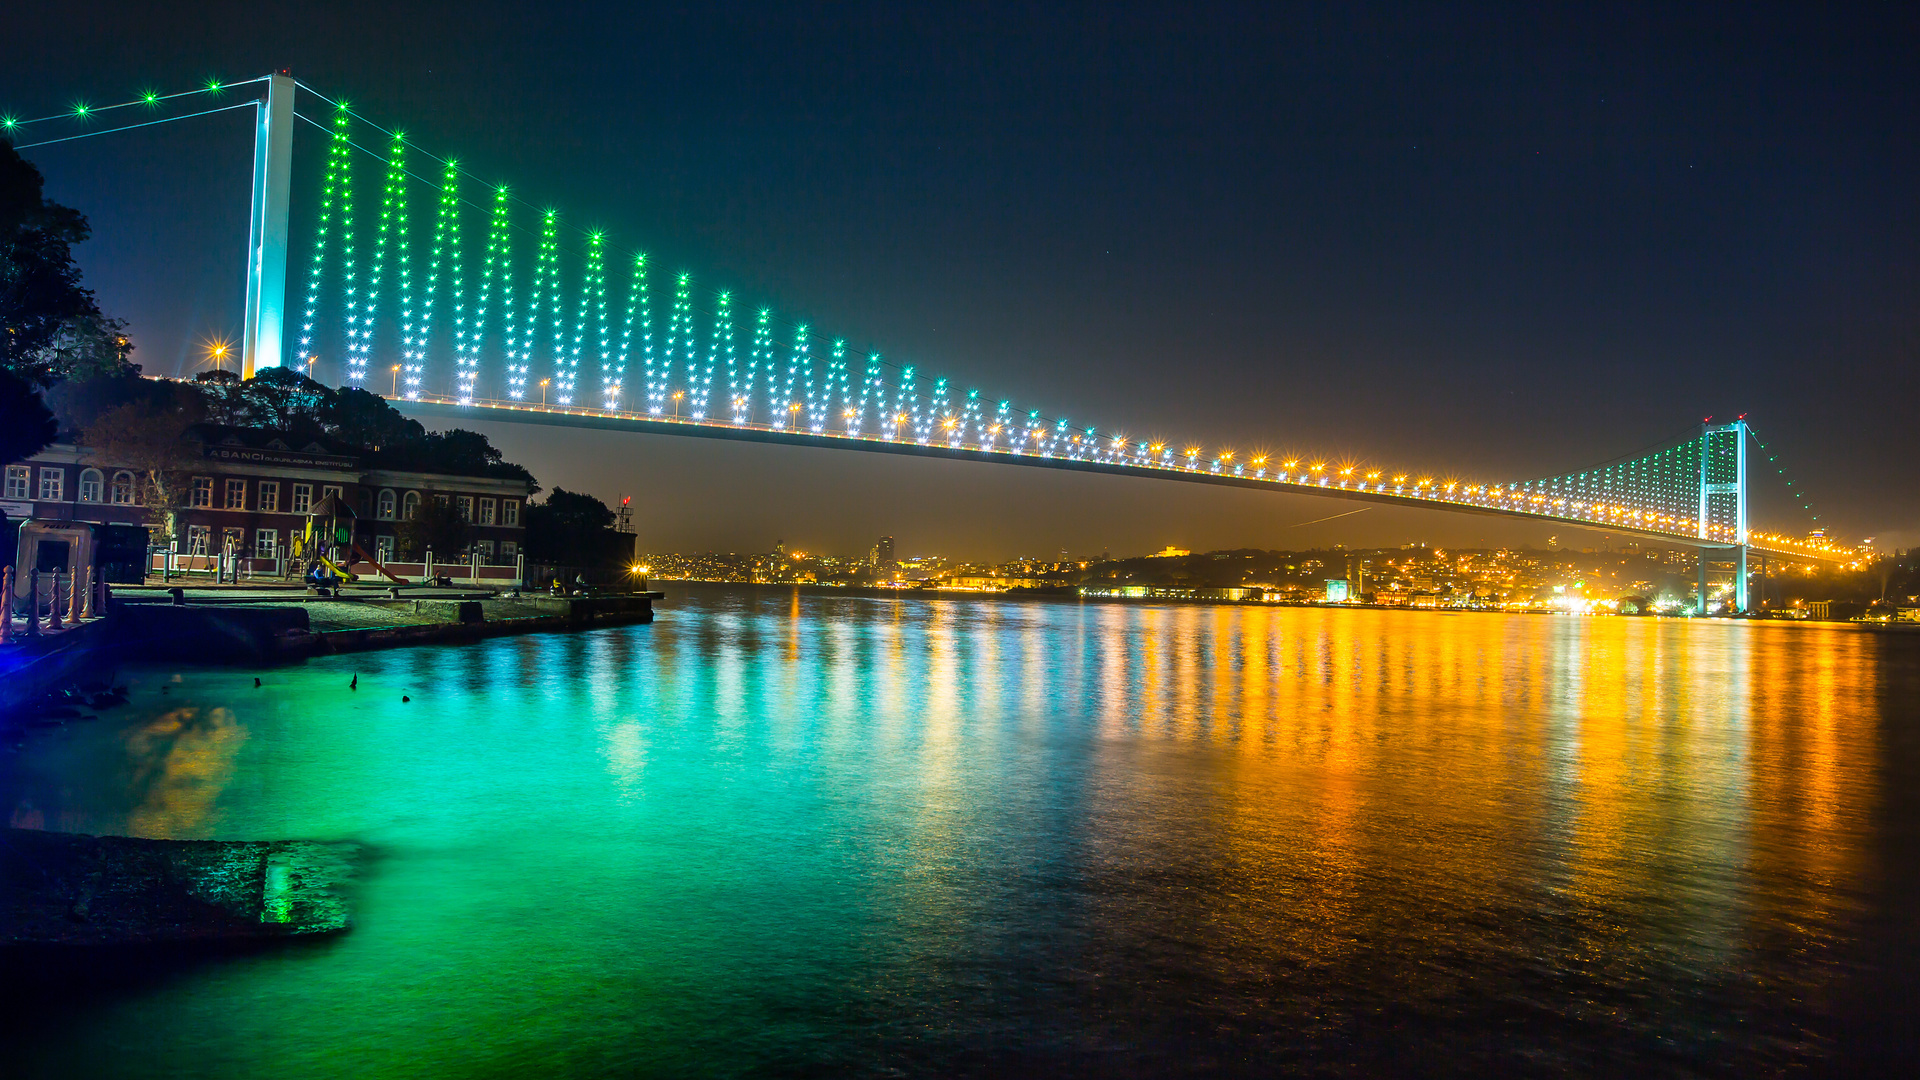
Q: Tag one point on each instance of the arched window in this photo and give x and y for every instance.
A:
(122, 488)
(386, 504)
(91, 485)
(409, 506)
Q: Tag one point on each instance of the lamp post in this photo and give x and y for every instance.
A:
(395, 392)
(543, 390)
(217, 352)
(677, 395)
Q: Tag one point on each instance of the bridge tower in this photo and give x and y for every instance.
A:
(1723, 502)
(262, 345)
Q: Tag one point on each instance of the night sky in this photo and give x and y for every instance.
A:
(1507, 242)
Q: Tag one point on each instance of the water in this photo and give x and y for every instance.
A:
(783, 833)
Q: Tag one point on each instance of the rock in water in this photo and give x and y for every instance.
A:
(96, 890)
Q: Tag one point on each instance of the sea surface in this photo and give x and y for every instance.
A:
(801, 833)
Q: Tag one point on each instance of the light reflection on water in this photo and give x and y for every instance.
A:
(806, 833)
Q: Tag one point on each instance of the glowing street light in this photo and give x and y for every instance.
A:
(543, 390)
(396, 381)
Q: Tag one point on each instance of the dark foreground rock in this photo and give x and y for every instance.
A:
(64, 888)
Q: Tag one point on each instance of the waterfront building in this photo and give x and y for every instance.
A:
(252, 488)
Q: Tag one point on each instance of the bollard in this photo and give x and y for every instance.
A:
(53, 604)
(74, 590)
(6, 604)
(427, 577)
(473, 566)
(33, 602)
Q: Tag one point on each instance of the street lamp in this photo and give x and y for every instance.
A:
(395, 392)
(543, 390)
(217, 352)
(677, 395)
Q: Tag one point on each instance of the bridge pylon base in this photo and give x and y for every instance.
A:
(1734, 557)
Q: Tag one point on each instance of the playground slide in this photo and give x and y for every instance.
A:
(375, 563)
(344, 574)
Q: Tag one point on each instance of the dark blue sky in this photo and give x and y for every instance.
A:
(1509, 241)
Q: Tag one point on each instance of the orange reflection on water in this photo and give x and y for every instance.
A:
(182, 761)
(1633, 778)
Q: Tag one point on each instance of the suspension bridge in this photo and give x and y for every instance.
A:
(470, 302)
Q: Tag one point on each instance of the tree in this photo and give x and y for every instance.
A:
(150, 439)
(27, 426)
(283, 399)
(91, 346)
(436, 525)
(50, 324)
(77, 403)
(365, 419)
(571, 529)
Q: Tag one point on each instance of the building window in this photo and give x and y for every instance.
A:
(466, 508)
(270, 497)
(16, 481)
(197, 539)
(486, 511)
(486, 552)
(122, 488)
(266, 543)
(410, 506)
(330, 492)
(53, 485)
(383, 548)
(92, 486)
(202, 496)
(302, 498)
(509, 550)
(510, 511)
(232, 539)
(387, 504)
(236, 495)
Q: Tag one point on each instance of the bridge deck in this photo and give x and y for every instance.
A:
(1325, 487)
